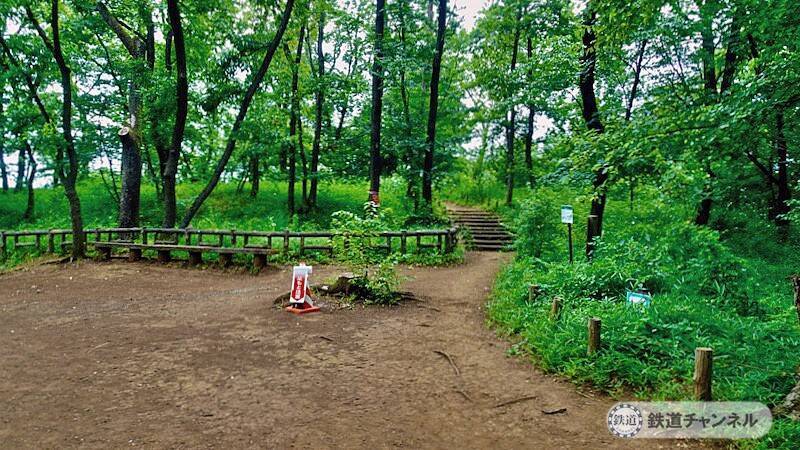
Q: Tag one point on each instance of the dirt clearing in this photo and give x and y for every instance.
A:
(135, 354)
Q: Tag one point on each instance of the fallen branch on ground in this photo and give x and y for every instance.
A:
(516, 400)
(450, 360)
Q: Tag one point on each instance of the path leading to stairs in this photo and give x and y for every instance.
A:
(118, 354)
(486, 231)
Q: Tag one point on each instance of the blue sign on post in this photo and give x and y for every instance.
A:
(638, 298)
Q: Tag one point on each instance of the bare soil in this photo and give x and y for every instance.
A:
(117, 354)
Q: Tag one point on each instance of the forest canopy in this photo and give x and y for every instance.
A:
(697, 99)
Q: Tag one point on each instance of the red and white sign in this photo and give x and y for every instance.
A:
(300, 283)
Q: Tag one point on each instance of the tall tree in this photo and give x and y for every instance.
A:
(319, 103)
(376, 160)
(512, 114)
(427, 167)
(130, 134)
(3, 170)
(531, 117)
(69, 177)
(21, 169)
(30, 206)
(255, 83)
(181, 111)
(295, 130)
(591, 116)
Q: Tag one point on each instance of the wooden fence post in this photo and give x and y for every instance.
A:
(403, 243)
(3, 243)
(702, 373)
(51, 242)
(286, 242)
(555, 308)
(534, 291)
(594, 336)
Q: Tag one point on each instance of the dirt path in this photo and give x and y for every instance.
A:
(116, 354)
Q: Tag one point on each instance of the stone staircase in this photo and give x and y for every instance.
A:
(488, 234)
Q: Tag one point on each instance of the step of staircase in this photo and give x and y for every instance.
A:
(486, 231)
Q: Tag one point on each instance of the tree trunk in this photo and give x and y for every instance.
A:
(427, 167)
(410, 154)
(318, 113)
(70, 177)
(181, 111)
(637, 76)
(512, 116)
(255, 175)
(29, 209)
(294, 121)
(131, 180)
(130, 135)
(530, 124)
(303, 160)
(3, 169)
(376, 161)
(784, 193)
(21, 170)
(591, 116)
(255, 83)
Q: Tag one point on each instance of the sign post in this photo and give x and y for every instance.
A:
(639, 297)
(567, 218)
(300, 295)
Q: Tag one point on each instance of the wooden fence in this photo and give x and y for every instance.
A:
(405, 241)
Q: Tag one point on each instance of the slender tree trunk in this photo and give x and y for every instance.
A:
(255, 83)
(318, 113)
(294, 121)
(530, 124)
(181, 111)
(131, 180)
(784, 193)
(70, 177)
(303, 160)
(3, 170)
(130, 135)
(637, 76)
(591, 116)
(427, 167)
(30, 208)
(376, 160)
(255, 175)
(512, 117)
(411, 153)
(21, 170)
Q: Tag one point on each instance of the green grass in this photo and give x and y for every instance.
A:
(225, 208)
(726, 290)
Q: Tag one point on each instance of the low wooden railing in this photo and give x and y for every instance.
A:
(443, 241)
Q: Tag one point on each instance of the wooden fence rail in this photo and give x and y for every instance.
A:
(442, 241)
